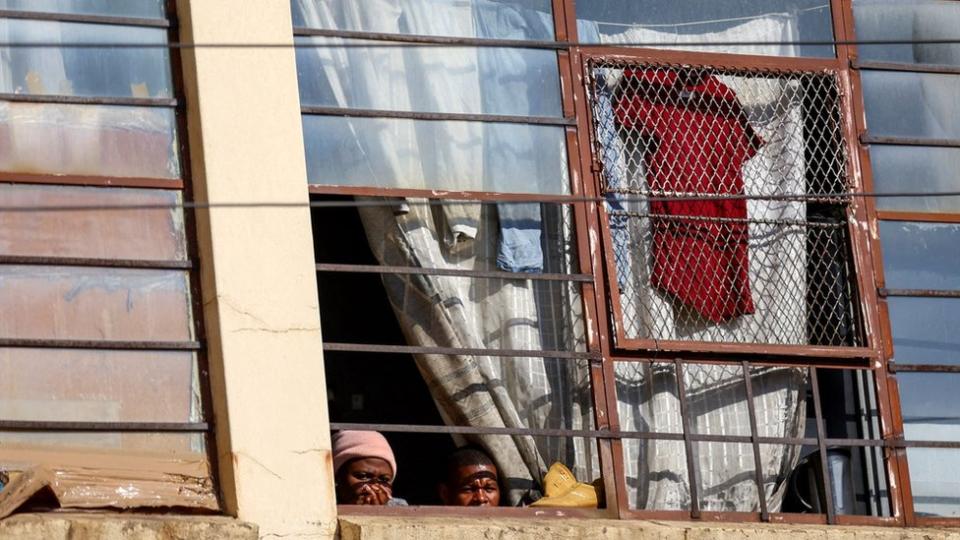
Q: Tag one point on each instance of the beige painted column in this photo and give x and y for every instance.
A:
(257, 267)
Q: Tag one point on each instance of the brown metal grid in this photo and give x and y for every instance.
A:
(864, 258)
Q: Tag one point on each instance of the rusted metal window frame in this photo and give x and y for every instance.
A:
(875, 356)
(180, 185)
(886, 369)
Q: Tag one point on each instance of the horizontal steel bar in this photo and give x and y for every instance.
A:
(711, 219)
(167, 103)
(436, 197)
(92, 181)
(925, 293)
(118, 427)
(103, 345)
(436, 116)
(434, 40)
(83, 18)
(594, 433)
(897, 367)
(455, 272)
(910, 141)
(100, 263)
(456, 351)
(900, 66)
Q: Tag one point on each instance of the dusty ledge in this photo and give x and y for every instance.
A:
(81, 526)
(419, 528)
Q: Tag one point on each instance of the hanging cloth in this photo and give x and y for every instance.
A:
(700, 140)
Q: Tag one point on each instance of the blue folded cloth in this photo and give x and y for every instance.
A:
(520, 248)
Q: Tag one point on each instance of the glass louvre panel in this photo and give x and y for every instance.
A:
(908, 20)
(495, 19)
(102, 386)
(501, 81)
(76, 71)
(920, 255)
(774, 23)
(930, 409)
(449, 156)
(152, 9)
(140, 234)
(190, 447)
(916, 169)
(49, 302)
(935, 481)
(924, 330)
(88, 140)
(927, 104)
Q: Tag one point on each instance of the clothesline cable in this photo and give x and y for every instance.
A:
(452, 42)
(398, 201)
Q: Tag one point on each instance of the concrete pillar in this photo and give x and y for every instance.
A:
(260, 304)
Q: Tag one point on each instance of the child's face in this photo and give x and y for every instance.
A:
(472, 485)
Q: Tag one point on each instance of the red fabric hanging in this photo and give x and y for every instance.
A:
(700, 141)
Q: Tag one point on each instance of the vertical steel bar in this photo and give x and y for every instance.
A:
(754, 434)
(592, 293)
(822, 446)
(869, 266)
(687, 443)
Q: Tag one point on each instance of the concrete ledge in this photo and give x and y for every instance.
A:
(80, 526)
(418, 528)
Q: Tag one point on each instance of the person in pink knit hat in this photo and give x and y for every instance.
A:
(364, 468)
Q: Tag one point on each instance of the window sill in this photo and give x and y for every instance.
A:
(82, 526)
(357, 527)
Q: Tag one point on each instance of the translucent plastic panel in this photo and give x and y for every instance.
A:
(73, 71)
(927, 104)
(88, 140)
(925, 330)
(116, 8)
(415, 154)
(916, 169)
(145, 234)
(102, 386)
(920, 255)
(908, 20)
(931, 411)
(775, 23)
(94, 303)
(450, 80)
(497, 19)
(935, 481)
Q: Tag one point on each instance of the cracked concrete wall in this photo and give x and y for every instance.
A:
(257, 268)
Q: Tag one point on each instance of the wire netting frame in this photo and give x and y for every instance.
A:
(830, 200)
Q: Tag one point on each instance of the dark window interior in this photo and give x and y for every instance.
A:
(365, 387)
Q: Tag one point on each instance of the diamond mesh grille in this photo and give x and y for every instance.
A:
(726, 203)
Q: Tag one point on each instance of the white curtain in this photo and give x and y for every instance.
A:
(511, 314)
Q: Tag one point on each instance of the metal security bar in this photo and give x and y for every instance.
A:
(720, 260)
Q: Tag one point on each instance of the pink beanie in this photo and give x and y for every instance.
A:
(349, 445)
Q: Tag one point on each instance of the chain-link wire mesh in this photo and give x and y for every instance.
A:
(725, 202)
